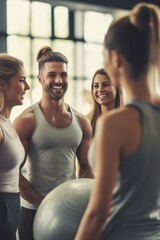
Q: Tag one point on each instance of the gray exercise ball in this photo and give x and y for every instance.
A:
(59, 214)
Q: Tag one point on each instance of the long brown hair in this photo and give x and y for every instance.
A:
(96, 108)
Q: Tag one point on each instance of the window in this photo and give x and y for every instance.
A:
(33, 24)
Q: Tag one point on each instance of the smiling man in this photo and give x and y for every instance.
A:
(53, 135)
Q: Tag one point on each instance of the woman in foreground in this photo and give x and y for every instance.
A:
(125, 201)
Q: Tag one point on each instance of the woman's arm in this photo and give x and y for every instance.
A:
(108, 145)
(84, 170)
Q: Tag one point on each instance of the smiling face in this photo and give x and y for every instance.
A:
(54, 79)
(103, 91)
(16, 88)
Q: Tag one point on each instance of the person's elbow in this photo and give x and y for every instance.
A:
(86, 172)
(97, 217)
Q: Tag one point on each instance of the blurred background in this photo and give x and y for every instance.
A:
(74, 28)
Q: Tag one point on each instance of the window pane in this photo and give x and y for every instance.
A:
(18, 14)
(79, 87)
(41, 19)
(70, 94)
(66, 47)
(37, 44)
(20, 47)
(96, 25)
(84, 96)
(79, 59)
(36, 91)
(93, 58)
(61, 22)
(79, 24)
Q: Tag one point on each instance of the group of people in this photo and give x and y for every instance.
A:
(50, 137)
(116, 143)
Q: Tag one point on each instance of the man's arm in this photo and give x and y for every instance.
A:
(84, 170)
(24, 125)
(28, 193)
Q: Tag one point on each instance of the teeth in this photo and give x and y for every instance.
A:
(102, 96)
(57, 87)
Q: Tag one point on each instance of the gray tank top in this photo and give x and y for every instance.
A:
(11, 156)
(135, 212)
(52, 154)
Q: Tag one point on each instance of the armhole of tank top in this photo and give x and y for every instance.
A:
(141, 111)
(75, 116)
(137, 107)
(35, 107)
(4, 135)
(144, 127)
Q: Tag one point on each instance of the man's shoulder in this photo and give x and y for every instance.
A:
(25, 116)
(25, 123)
(83, 120)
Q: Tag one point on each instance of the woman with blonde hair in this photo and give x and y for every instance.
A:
(13, 86)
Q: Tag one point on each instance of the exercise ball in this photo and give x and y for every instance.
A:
(60, 212)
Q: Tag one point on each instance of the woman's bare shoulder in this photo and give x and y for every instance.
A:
(120, 120)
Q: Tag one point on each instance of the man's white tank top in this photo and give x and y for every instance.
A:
(52, 154)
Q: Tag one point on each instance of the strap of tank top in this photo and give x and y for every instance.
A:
(34, 106)
(37, 112)
(74, 115)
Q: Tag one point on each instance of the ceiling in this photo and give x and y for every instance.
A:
(118, 4)
(122, 4)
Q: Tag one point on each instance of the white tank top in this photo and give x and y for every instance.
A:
(11, 156)
(51, 154)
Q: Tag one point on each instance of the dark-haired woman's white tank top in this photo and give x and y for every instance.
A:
(52, 154)
(135, 212)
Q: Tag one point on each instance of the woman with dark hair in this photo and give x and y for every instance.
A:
(104, 95)
(125, 200)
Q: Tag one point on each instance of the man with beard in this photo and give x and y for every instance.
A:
(53, 135)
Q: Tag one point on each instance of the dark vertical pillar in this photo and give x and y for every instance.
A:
(3, 26)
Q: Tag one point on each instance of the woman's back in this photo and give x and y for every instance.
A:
(135, 212)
